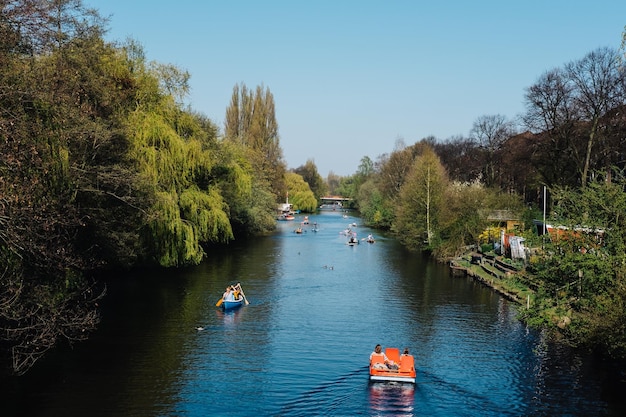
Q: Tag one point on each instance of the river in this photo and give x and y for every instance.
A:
(300, 348)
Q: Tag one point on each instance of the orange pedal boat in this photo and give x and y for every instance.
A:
(379, 371)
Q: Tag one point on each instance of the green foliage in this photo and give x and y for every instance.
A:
(57, 98)
(347, 187)
(174, 242)
(486, 247)
(464, 216)
(366, 167)
(583, 269)
(102, 167)
(376, 211)
(309, 173)
(300, 194)
(393, 172)
(251, 122)
(420, 201)
(178, 224)
(260, 211)
(252, 204)
(184, 212)
(207, 212)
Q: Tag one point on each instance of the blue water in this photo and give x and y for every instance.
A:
(301, 347)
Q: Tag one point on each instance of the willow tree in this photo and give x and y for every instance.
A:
(169, 149)
(300, 194)
(420, 201)
(251, 122)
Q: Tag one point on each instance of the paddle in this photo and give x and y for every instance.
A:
(242, 293)
(219, 302)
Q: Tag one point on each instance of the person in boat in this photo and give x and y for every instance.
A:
(237, 292)
(378, 352)
(232, 293)
(229, 294)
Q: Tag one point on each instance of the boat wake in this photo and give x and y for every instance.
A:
(331, 398)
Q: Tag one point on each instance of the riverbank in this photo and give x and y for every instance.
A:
(561, 316)
(494, 272)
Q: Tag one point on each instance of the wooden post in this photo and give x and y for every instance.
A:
(545, 229)
(580, 282)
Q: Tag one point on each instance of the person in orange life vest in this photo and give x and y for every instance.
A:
(378, 351)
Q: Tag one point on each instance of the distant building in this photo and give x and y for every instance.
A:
(504, 219)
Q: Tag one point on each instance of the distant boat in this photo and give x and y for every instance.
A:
(285, 211)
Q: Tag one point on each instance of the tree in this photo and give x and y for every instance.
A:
(420, 201)
(590, 253)
(490, 132)
(393, 171)
(461, 157)
(366, 167)
(550, 113)
(309, 173)
(598, 85)
(567, 106)
(376, 211)
(332, 182)
(251, 206)
(183, 215)
(300, 194)
(52, 133)
(251, 121)
(519, 173)
(622, 48)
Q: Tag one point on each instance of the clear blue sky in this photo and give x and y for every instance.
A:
(351, 77)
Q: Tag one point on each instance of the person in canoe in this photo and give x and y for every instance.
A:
(378, 351)
(237, 291)
(232, 293)
(229, 294)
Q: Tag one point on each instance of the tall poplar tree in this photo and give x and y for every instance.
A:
(251, 121)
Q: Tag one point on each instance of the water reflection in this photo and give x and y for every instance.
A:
(389, 398)
(230, 318)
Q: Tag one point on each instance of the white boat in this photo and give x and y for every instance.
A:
(285, 211)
